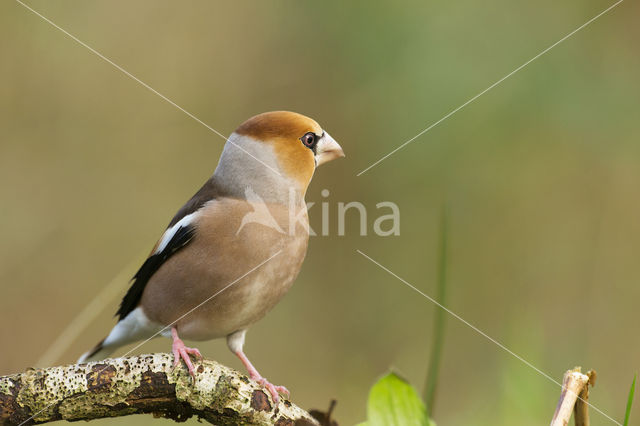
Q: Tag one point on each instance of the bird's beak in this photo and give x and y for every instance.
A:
(327, 149)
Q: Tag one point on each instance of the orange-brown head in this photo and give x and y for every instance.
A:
(299, 142)
(273, 153)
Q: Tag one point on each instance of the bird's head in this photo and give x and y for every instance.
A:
(282, 143)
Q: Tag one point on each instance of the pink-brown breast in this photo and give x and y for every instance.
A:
(222, 265)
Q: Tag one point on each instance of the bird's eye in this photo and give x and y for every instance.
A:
(309, 139)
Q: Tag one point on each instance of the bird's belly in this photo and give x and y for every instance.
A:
(244, 303)
(212, 293)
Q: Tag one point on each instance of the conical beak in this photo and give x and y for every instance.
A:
(327, 149)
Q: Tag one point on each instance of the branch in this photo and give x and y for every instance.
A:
(581, 410)
(574, 384)
(143, 384)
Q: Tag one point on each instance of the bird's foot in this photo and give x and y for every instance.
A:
(274, 390)
(180, 351)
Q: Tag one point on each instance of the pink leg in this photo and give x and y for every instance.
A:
(253, 373)
(180, 351)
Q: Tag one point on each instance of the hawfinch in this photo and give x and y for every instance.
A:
(234, 249)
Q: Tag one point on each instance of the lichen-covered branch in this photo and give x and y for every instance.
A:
(142, 384)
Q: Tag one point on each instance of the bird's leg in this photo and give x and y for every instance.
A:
(236, 342)
(253, 373)
(180, 351)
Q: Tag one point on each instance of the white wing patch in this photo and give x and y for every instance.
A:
(169, 233)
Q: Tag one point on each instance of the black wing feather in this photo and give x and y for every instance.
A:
(180, 239)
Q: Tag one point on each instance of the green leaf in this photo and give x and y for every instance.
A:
(629, 402)
(394, 402)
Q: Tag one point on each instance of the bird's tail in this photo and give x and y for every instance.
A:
(99, 352)
(135, 326)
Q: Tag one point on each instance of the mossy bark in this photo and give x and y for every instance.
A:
(142, 384)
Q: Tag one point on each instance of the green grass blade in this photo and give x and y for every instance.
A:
(629, 402)
(440, 318)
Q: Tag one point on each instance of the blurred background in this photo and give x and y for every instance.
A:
(541, 176)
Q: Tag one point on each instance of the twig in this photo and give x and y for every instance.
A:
(581, 409)
(573, 384)
(143, 384)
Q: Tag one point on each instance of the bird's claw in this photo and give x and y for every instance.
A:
(180, 351)
(274, 390)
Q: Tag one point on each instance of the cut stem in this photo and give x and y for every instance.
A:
(573, 384)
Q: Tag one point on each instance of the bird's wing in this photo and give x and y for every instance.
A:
(178, 234)
(174, 239)
(208, 192)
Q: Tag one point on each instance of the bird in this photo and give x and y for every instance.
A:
(234, 249)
